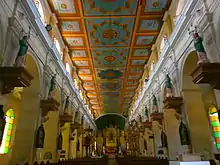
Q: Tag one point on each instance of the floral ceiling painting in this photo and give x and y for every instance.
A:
(110, 43)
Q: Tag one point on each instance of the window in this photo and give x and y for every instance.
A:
(214, 121)
(179, 8)
(9, 118)
(40, 10)
(162, 44)
(152, 66)
(57, 44)
(68, 69)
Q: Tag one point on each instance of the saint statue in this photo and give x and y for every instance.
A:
(146, 112)
(2, 123)
(59, 141)
(169, 91)
(122, 142)
(164, 139)
(52, 88)
(184, 136)
(155, 107)
(40, 137)
(19, 62)
(67, 103)
(198, 44)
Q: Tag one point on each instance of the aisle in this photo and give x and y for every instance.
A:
(112, 161)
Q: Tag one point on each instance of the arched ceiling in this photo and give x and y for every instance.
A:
(110, 43)
(109, 120)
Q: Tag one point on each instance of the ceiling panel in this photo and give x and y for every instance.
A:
(110, 42)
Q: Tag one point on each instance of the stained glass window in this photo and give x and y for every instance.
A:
(9, 117)
(214, 121)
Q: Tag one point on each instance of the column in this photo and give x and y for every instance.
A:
(51, 135)
(156, 127)
(172, 132)
(150, 142)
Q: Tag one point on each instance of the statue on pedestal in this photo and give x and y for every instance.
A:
(52, 88)
(122, 142)
(146, 112)
(67, 103)
(169, 87)
(198, 44)
(155, 107)
(40, 137)
(19, 61)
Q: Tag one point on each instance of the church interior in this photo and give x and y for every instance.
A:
(117, 82)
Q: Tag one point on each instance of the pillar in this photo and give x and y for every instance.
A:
(172, 132)
(51, 135)
(197, 119)
(156, 127)
(150, 143)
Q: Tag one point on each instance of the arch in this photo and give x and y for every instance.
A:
(57, 44)
(110, 119)
(23, 135)
(68, 68)
(7, 135)
(194, 107)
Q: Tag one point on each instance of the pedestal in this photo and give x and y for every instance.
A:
(207, 73)
(14, 77)
(157, 116)
(49, 105)
(173, 103)
(65, 118)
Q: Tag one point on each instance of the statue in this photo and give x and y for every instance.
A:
(59, 141)
(2, 123)
(184, 136)
(155, 107)
(164, 139)
(19, 62)
(99, 141)
(40, 137)
(202, 56)
(122, 142)
(52, 88)
(169, 91)
(67, 103)
(146, 112)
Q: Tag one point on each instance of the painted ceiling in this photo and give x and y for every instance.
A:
(110, 43)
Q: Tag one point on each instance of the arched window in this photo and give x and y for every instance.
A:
(214, 121)
(57, 44)
(68, 69)
(5, 145)
(40, 10)
(152, 66)
(179, 8)
(162, 44)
